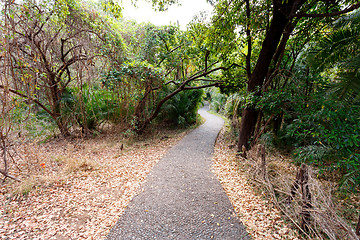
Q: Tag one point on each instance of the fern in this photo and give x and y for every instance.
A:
(339, 51)
(312, 154)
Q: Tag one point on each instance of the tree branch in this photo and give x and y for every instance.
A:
(9, 176)
(182, 87)
(43, 24)
(203, 69)
(164, 41)
(71, 49)
(52, 39)
(207, 53)
(172, 81)
(225, 10)
(69, 63)
(207, 80)
(170, 51)
(212, 70)
(319, 15)
(167, 74)
(30, 98)
(203, 86)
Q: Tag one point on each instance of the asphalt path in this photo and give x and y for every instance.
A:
(182, 198)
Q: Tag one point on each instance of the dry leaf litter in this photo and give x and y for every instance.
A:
(80, 189)
(261, 219)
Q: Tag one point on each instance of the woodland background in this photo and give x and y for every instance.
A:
(284, 73)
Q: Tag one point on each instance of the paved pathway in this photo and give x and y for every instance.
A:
(182, 199)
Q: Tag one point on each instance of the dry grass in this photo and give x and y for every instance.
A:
(264, 201)
(261, 219)
(280, 175)
(76, 189)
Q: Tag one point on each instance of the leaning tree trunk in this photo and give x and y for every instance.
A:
(272, 39)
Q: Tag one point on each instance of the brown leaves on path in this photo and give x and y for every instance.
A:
(261, 219)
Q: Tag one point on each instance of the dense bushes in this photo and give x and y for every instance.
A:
(307, 121)
(182, 108)
(315, 126)
(228, 105)
(89, 107)
(217, 100)
(327, 135)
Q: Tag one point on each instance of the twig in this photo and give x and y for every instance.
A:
(358, 227)
(6, 175)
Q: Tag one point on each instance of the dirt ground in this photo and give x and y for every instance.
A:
(76, 189)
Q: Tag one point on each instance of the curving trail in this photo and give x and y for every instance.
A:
(182, 198)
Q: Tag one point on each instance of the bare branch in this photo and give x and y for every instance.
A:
(68, 63)
(52, 39)
(5, 171)
(43, 24)
(30, 98)
(9, 176)
(71, 49)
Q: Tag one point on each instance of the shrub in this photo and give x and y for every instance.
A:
(321, 129)
(182, 108)
(89, 107)
(217, 100)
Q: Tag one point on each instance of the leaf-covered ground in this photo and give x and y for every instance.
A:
(80, 188)
(261, 219)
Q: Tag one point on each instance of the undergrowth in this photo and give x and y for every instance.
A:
(42, 163)
(333, 211)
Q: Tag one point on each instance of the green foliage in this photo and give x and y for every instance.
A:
(162, 5)
(320, 128)
(181, 109)
(67, 40)
(40, 126)
(134, 73)
(112, 7)
(337, 56)
(217, 100)
(89, 107)
(331, 135)
(32, 121)
(132, 82)
(232, 106)
(227, 105)
(325, 128)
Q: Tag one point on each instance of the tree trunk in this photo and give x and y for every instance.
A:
(64, 130)
(56, 105)
(277, 124)
(247, 127)
(272, 39)
(140, 115)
